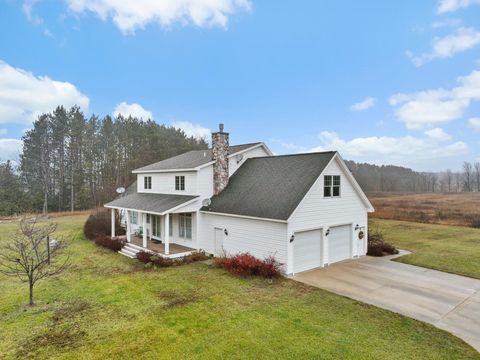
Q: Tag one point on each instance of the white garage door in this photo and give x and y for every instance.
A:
(307, 250)
(339, 243)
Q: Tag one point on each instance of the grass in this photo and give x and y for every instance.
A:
(109, 306)
(453, 249)
(438, 208)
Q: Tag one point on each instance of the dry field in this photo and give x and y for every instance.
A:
(452, 208)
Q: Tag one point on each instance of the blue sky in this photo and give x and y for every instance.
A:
(382, 82)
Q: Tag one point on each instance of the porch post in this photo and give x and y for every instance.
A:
(113, 223)
(167, 234)
(144, 226)
(129, 235)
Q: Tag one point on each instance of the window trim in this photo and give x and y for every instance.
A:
(331, 186)
(147, 183)
(180, 182)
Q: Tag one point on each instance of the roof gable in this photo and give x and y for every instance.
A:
(270, 187)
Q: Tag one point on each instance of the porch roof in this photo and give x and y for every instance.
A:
(148, 202)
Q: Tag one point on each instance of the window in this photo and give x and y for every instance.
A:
(185, 226)
(179, 182)
(156, 225)
(133, 217)
(170, 225)
(147, 182)
(331, 186)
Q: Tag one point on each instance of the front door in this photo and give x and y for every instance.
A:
(156, 229)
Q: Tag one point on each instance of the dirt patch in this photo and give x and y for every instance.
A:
(70, 310)
(172, 299)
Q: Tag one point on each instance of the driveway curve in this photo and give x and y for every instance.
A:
(450, 302)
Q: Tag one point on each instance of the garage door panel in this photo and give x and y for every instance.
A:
(307, 250)
(339, 243)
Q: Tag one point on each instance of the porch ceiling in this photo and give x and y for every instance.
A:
(149, 202)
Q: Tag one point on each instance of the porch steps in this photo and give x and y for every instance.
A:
(130, 250)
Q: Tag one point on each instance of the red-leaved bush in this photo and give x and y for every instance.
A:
(115, 244)
(248, 265)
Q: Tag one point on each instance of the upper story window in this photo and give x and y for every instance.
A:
(331, 186)
(179, 182)
(147, 182)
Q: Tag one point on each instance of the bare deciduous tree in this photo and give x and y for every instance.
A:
(476, 167)
(467, 176)
(448, 179)
(30, 256)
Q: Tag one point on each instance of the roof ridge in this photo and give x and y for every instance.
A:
(298, 154)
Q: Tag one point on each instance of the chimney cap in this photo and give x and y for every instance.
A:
(220, 127)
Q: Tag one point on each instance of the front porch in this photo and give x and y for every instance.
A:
(175, 250)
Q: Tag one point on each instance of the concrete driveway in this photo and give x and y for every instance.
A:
(450, 302)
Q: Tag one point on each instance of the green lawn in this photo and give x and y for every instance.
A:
(108, 306)
(454, 249)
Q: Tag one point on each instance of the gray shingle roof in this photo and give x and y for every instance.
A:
(157, 203)
(190, 160)
(270, 187)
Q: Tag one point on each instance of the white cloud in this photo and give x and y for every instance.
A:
(404, 151)
(446, 23)
(10, 149)
(445, 6)
(288, 145)
(438, 134)
(475, 124)
(133, 110)
(431, 107)
(444, 47)
(24, 96)
(365, 104)
(195, 130)
(129, 15)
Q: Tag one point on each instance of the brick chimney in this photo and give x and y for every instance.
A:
(220, 150)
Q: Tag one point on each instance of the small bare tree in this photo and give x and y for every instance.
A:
(31, 256)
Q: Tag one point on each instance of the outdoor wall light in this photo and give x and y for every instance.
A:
(327, 232)
(292, 238)
(225, 232)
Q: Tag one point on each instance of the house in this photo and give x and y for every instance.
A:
(306, 210)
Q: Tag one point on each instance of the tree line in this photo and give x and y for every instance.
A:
(73, 163)
(389, 178)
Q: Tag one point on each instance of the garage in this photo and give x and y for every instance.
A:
(307, 250)
(339, 243)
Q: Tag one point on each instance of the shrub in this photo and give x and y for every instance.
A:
(474, 221)
(248, 265)
(115, 244)
(377, 245)
(152, 259)
(99, 225)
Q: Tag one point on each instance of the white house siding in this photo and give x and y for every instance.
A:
(164, 183)
(316, 211)
(205, 182)
(233, 164)
(258, 237)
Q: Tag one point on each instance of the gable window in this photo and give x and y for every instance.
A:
(147, 182)
(185, 226)
(331, 186)
(179, 182)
